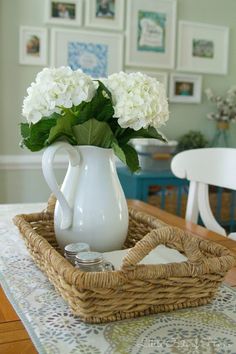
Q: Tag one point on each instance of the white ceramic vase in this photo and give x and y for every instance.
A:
(91, 206)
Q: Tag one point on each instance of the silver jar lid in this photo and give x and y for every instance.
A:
(73, 248)
(89, 257)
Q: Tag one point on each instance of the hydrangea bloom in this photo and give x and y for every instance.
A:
(139, 100)
(54, 88)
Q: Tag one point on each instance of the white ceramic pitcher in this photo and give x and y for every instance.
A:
(91, 206)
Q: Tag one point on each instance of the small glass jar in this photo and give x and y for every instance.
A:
(92, 262)
(71, 250)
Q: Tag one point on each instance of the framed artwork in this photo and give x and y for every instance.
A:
(159, 75)
(185, 88)
(33, 46)
(65, 12)
(106, 14)
(98, 54)
(203, 48)
(151, 33)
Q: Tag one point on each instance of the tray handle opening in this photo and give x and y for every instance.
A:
(172, 237)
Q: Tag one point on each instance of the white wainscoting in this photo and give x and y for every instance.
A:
(22, 179)
(33, 162)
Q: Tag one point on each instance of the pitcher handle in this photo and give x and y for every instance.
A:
(47, 167)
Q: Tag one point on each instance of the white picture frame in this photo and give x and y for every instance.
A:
(159, 75)
(98, 54)
(111, 19)
(65, 12)
(203, 48)
(33, 46)
(185, 88)
(151, 32)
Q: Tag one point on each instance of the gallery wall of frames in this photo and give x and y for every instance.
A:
(105, 36)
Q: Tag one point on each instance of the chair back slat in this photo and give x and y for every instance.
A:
(203, 167)
(215, 166)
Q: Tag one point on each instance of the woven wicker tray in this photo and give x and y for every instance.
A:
(136, 289)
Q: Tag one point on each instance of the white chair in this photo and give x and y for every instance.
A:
(203, 167)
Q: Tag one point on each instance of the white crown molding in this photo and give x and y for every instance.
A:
(29, 162)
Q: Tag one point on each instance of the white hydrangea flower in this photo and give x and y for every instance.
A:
(139, 100)
(56, 87)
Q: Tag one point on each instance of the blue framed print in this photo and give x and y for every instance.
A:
(97, 54)
(92, 58)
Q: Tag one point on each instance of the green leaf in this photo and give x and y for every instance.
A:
(127, 154)
(52, 116)
(119, 152)
(36, 135)
(104, 110)
(131, 158)
(93, 132)
(115, 127)
(150, 132)
(100, 107)
(63, 129)
(102, 87)
(24, 130)
(105, 113)
(69, 114)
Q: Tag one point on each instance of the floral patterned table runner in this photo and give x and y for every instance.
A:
(54, 330)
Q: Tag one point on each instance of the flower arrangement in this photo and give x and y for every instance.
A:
(226, 106)
(68, 105)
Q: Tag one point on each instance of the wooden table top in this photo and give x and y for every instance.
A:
(15, 339)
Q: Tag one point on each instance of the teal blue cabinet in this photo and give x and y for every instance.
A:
(138, 185)
(171, 193)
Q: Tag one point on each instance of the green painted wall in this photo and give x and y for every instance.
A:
(193, 116)
(15, 78)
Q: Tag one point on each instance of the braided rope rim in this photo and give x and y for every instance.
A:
(219, 261)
